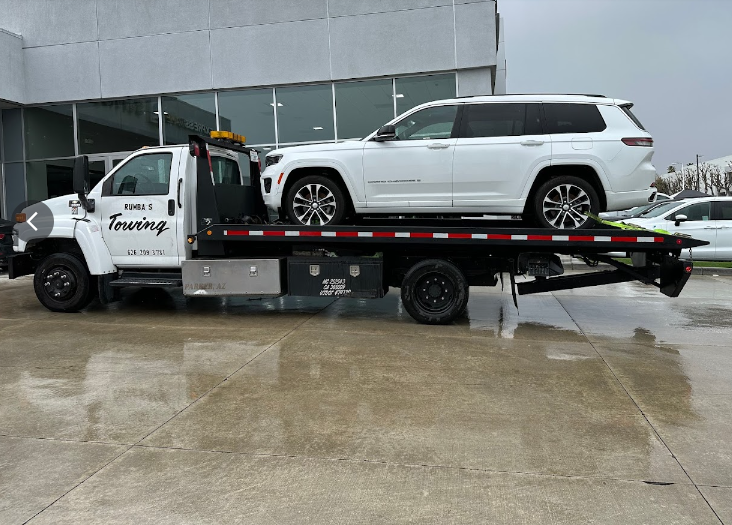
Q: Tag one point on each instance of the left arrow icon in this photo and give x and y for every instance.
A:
(30, 223)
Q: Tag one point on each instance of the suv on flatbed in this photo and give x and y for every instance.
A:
(549, 157)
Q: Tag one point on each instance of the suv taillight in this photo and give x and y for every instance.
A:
(644, 142)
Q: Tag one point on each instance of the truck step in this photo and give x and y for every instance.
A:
(148, 281)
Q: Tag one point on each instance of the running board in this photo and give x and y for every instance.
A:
(148, 280)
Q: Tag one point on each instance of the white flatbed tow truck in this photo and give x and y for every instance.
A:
(192, 217)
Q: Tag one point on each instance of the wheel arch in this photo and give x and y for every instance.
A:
(330, 172)
(584, 171)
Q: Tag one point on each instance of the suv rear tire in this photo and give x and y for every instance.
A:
(316, 200)
(561, 203)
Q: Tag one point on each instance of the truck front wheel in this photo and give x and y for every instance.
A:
(62, 283)
(435, 291)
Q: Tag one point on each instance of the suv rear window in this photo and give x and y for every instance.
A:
(573, 118)
(627, 111)
(500, 120)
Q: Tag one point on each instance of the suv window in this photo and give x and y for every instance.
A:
(700, 211)
(631, 116)
(225, 171)
(144, 175)
(725, 210)
(430, 123)
(573, 118)
(500, 120)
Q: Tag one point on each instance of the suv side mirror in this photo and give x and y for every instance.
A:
(680, 219)
(385, 133)
(82, 181)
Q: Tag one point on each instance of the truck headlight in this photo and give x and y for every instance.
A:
(271, 160)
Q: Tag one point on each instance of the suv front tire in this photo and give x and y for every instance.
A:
(316, 200)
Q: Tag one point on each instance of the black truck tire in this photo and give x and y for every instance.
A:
(435, 291)
(62, 283)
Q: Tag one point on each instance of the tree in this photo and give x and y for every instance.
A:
(671, 169)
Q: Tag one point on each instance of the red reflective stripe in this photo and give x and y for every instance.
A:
(624, 239)
(499, 237)
(384, 234)
(420, 235)
(310, 234)
(237, 232)
(274, 234)
(346, 234)
(539, 237)
(581, 238)
(459, 236)
(658, 239)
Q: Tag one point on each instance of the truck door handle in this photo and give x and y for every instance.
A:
(437, 145)
(532, 143)
(180, 181)
(171, 207)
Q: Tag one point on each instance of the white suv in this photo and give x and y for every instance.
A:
(551, 157)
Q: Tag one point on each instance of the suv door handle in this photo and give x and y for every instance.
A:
(437, 145)
(532, 143)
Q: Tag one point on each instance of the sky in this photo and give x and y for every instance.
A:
(672, 58)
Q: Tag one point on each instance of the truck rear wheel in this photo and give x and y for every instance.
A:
(62, 283)
(435, 291)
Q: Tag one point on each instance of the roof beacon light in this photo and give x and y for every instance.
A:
(228, 135)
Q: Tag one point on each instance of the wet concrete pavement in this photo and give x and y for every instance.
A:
(605, 405)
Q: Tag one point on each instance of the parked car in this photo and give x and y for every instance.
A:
(707, 218)
(6, 241)
(552, 157)
(631, 213)
(662, 197)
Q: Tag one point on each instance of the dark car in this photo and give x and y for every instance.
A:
(6, 241)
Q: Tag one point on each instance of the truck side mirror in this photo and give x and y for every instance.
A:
(680, 219)
(385, 133)
(82, 181)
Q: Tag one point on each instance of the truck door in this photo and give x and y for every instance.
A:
(139, 208)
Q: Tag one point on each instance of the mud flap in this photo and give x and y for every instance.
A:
(674, 275)
(19, 265)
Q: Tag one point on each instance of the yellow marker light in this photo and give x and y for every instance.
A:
(228, 135)
(209, 232)
(191, 240)
(20, 217)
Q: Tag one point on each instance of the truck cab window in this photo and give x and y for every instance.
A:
(144, 175)
(226, 171)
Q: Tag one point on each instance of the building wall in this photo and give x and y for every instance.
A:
(12, 85)
(112, 48)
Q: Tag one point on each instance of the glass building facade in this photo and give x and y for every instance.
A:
(38, 143)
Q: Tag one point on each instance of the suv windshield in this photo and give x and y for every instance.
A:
(660, 210)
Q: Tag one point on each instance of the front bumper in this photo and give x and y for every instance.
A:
(271, 190)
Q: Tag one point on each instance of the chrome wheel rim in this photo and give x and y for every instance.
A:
(314, 204)
(565, 207)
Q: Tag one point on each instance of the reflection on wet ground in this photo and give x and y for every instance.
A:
(607, 405)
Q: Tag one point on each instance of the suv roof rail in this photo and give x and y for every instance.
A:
(525, 94)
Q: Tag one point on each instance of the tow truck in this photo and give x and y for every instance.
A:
(192, 217)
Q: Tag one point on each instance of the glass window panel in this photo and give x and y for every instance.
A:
(428, 123)
(413, 91)
(49, 132)
(225, 171)
(12, 135)
(118, 125)
(14, 187)
(363, 107)
(249, 113)
(305, 114)
(185, 115)
(49, 179)
(573, 118)
(493, 120)
(144, 175)
(700, 211)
